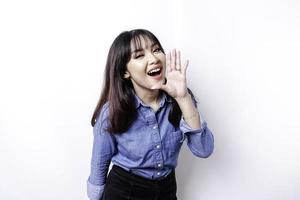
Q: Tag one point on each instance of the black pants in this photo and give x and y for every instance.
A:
(123, 185)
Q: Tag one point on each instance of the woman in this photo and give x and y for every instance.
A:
(144, 114)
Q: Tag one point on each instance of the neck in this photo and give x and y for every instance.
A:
(150, 98)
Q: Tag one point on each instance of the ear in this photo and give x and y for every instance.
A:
(126, 75)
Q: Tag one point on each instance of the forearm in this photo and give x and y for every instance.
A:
(189, 111)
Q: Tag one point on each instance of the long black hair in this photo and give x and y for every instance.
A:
(118, 91)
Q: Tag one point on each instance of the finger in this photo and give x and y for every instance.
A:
(173, 60)
(184, 67)
(178, 61)
(168, 63)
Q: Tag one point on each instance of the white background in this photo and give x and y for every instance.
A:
(244, 69)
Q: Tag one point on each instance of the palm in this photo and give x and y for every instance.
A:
(176, 85)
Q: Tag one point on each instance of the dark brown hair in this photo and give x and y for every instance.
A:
(118, 91)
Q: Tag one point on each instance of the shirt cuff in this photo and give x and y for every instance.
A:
(94, 192)
(185, 128)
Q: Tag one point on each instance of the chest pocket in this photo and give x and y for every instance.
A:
(174, 141)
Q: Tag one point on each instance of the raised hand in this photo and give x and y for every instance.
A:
(176, 85)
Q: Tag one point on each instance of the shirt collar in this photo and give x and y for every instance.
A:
(164, 97)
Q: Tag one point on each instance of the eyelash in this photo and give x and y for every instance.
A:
(138, 56)
(155, 50)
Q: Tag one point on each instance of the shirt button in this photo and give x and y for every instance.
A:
(158, 146)
(154, 127)
(158, 173)
(159, 165)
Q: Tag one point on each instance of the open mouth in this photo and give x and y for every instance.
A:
(155, 72)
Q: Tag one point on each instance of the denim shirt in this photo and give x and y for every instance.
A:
(149, 148)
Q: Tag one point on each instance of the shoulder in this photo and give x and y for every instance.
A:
(102, 116)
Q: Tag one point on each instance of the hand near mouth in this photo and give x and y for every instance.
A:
(176, 85)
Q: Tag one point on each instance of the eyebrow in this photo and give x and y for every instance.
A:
(140, 49)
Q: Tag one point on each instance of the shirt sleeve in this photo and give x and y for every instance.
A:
(104, 147)
(200, 141)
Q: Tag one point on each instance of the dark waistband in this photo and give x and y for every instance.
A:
(136, 178)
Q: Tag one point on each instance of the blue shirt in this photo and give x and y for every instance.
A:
(149, 148)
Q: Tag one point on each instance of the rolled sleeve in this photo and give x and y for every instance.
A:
(200, 141)
(94, 192)
(185, 128)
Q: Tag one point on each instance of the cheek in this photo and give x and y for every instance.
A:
(163, 59)
(135, 68)
(138, 71)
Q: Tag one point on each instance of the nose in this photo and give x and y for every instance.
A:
(152, 59)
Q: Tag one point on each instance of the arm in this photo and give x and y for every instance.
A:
(200, 139)
(103, 150)
(189, 111)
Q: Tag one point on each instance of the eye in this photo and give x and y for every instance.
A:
(157, 50)
(138, 56)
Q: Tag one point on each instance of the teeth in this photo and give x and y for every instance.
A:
(155, 70)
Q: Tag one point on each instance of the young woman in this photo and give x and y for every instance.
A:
(144, 114)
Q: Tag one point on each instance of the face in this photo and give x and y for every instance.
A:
(146, 66)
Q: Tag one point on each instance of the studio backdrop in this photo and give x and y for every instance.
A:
(244, 72)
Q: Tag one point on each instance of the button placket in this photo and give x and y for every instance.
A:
(153, 125)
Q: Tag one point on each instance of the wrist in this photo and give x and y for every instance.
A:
(186, 97)
(191, 116)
